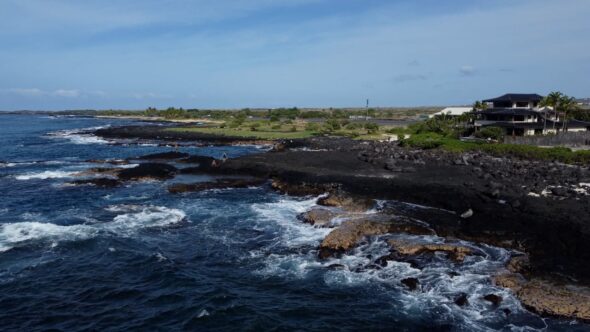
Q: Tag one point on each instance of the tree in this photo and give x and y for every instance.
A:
(551, 100)
(479, 105)
(566, 104)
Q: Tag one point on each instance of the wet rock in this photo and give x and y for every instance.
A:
(336, 267)
(461, 300)
(347, 202)
(411, 283)
(493, 298)
(351, 232)
(178, 188)
(164, 156)
(100, 182)
(195, 159)
(318, 217)
(546, 298)
(100, 170)
(513, 281)
(148, 171)
(518, 264)
(405, 247)
(300, 189)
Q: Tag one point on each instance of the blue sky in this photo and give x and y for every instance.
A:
(101, 54)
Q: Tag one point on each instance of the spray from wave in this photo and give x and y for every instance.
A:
(132, 219)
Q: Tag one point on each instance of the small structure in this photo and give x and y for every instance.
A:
(452, 111)
(520, 115)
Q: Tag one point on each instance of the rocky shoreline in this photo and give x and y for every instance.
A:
(539, 210)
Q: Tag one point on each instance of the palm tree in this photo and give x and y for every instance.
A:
(567, 104)
(552, 100)
(479, 105)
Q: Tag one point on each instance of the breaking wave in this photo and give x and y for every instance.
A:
(131, 219)
(45, 175)
(293, 254)
(79, 136)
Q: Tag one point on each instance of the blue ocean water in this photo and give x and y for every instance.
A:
(138, 258)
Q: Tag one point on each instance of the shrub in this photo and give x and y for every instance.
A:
(275, 118)
(310, 126)
(494, 133)
(424, 141)
(293, 129)
(372, 128)
(353, 126)
(276, 127)
(254, 126)
(332, 125)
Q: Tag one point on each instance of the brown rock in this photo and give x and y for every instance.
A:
(546, 298)
(318, 217)
(348, 203)
(351, 232)
(513, 281)
(518, 264)
(405, 247)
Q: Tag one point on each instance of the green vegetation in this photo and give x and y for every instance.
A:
(494, 133)
(561, 154)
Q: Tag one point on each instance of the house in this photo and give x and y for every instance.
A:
(520, 115)
(452, 111)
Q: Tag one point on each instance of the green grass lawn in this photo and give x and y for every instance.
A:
(248, 133)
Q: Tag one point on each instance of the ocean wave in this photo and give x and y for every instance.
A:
(132, 219)
(293, 254)
(79, 136)
(45, 175)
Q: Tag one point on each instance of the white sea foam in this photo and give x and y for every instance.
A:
(79, 136)
(45, 175)
(293, 255)
(135, 218)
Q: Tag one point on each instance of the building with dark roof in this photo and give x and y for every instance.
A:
(520, 115)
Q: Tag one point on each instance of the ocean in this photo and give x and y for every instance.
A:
(135, 257)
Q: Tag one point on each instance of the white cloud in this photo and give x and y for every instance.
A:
(66, 93)
(30, 92)
(467, 70)
(59, 93)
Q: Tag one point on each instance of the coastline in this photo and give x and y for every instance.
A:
(522, 205)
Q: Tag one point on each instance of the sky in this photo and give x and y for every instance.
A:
(134, 54)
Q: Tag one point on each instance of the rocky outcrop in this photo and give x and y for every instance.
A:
(154, 171)
(172, 155)
(547, 297)
(351, 232)
(217, 184)
(319, 217)
(299, 189)
(347, 202)
(408, 248)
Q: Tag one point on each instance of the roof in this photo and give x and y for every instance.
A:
(453, 111)
(514, 97)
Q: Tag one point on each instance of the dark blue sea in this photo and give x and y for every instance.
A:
(136, 258)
